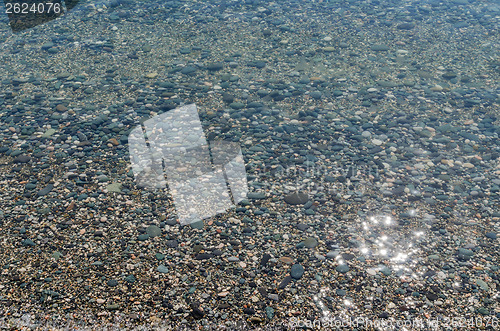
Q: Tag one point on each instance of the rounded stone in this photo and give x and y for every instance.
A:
(153, 231)
(296, 271)
(310, 242)
(342, 268)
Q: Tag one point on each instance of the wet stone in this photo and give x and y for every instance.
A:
(269, 312)
(162, 268)
(296, 271)
(311, 242)
(482, 284)
(215, 66)
(28, 242)
(112, 282)
(265, 259)
(405, 26)
(204, 256)
(143, 237)
(172, 243)
(342, 268)
(22, 159)
(285, 282)
(45, 190)
(256, 195)
(296, 198)
(491, 235)
(379, 48)
(464, 254)
(153, 231)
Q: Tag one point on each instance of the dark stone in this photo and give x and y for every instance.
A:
(204, 256)
(296, 198)
(45, 190)
(197, 313)
(28, 242)
(249, 311)
(296, 271)
(405, 26)
(285, 282)
(265, 259)
(22, 159)
(112, 282)
(172, 243)
(215, 66)
(431, 296)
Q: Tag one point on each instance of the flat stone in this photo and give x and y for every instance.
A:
(172, 243)
(112, 282)
(197, 225)
(151, 75)
(28, 242)
(61, 108)
(114, 306)
(482, 284)
(215, 66)
(143, 237)
(163, 269)
(285, 282)
(204, 256)
(491, 235)
(342, 268)
(379, 48)
(483, 311)
(22, 159)
(405, 26)
(386, 271)
(269, 312)
(130, 279)
(114, 187)
(296, 198)
(48, 133)
(153, 231)
(45, 190)
(464, 253)
(310, 242)
(265, 259)
(256, 195)
(286, 260)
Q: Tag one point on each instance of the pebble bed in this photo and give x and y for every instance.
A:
(370, 133)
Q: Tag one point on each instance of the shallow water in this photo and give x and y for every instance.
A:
(340, 168)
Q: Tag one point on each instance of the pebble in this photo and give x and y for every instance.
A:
(296, 271)
(45, 190)
(491, 235)
(256, 195)
(22, 159)
(483, 285)
(332, 129)
(153, 231)
(269, 312)
(284, 283)
(342, 268)
(311, 242)
(162, 268)
(296, 198)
